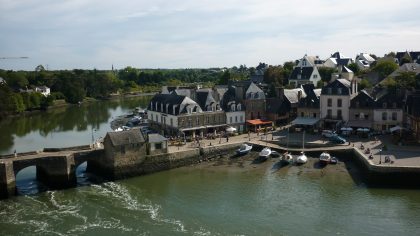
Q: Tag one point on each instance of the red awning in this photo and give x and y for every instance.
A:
(258, 122)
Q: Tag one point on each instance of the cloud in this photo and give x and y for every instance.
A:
(190, 33)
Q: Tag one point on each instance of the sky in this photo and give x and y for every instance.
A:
(87, 34)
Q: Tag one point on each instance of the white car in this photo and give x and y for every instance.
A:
(328, 133)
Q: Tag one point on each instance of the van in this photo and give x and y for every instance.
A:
(328, 133)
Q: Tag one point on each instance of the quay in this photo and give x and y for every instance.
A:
(56, 167)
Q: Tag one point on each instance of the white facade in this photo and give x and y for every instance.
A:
(44, 90)
(163, 119)
(383, 119)
(333, 105)
(236, 119)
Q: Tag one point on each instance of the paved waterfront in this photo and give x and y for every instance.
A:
(400, 156)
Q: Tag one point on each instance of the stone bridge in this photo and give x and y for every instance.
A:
(56, 168)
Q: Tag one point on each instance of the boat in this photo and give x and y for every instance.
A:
(265, 153)
(324, 158)
(302, 158)
(287, 157)
(244, 149)
(334, 160)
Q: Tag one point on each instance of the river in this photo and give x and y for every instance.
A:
(225, 197)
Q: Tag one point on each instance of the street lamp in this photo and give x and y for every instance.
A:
(93, 138)
(380, 157)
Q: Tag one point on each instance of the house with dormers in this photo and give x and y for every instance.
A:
(305, 72)
(388, 110)
(361, 111)
(337, 59)
(412, 56)
(364, 60)
(335, 102)
(234, 109)
(180, 115)
(308, 111)
(255, 103)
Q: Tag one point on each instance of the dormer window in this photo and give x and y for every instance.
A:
(239, 107)
(384, 105)
(329, 90)
(232, 107)
(339, 91)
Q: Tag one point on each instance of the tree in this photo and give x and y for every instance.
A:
(385, 67)
(325, 73)
(274, 75)
(288, 68)
(353, 67)
(406, 59)
(406, 80)
(224, 78)
(364, 83)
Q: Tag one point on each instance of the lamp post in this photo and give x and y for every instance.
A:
(93, 138)
(380, 157)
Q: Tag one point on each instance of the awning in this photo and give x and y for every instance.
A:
(360, 123)
(396, 128)
(305, 121)
(258, 122)
(193, 128)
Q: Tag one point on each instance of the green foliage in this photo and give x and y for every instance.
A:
(406, 80)
(288, 68)
(353, 67)
(364, 83)
(385, 67)
(325, 73)
(320, 84)
(274, 75)
(406, 59)
(224, 78)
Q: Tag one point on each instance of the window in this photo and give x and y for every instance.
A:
(198, 121)
(158, 146)
(339, 115)
(230, 120)
(303, 62)
(339, 103)
(384, 116)
(315, 76)
(314, 115)
(329, 90)
(394, 116)
(362, 115)
(329, 113)
(339, 91)
(242, 118)
(329, 101)
(384, 105)
(236, 119)
(207, 120)
(302, 114)
(172, 122)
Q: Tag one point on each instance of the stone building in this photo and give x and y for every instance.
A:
(388, 110)
(234, 109)
(361, 111)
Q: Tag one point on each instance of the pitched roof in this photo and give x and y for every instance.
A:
(172, 101)
(204, 98)
(254, 92)
(293, 95)
(407, 67)
(332, 88)
(156, 138)
(362, 100)
(301, 73)
(125, 137)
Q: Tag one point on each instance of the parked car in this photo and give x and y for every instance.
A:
(337, 139)
(328, 133)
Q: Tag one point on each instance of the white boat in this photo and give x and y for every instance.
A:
(266, 152)
(302, 158)
(325, 158)
(244, 149)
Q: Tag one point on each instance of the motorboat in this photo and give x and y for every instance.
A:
(302, 158)
(325, 158)
(244, 149)
(334, 160)
(287, 157)
(265, 153)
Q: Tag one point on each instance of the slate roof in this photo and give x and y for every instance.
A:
(390, 98)
(292, 95)
(362, 100)
(125, 137)
(204, 98)
(312, 98)
(304, 72)
(335, 85)
(343, 61)
(172, 100)
(156, 138)
(407, 67)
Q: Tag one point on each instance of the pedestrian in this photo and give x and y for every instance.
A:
(249, 135)
(15, 153)
(227, 138)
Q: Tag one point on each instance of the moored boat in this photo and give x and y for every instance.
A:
(287, 158)
(324, 158)
(265, 153)
(302, 158)
(244, 149)
(334, 160)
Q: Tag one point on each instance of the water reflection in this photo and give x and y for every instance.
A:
(26, 182)
(65, 126)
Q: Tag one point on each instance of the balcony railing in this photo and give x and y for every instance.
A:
(331, 117)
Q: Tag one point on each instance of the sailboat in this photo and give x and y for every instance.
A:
(302, 159)
(287, 157)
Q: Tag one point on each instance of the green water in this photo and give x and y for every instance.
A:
(218, 201)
